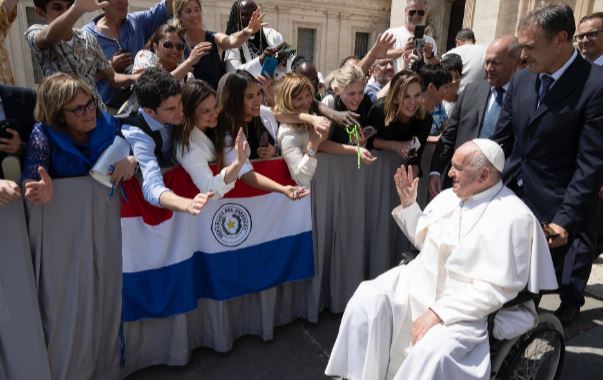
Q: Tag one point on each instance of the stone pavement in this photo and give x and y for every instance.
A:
(301, 350)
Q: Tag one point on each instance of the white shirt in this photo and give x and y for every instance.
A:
(294, 140)
(233, 61)
(402, 35)
(557, 74)
(196, 163)
(493, 94)
(598, 61)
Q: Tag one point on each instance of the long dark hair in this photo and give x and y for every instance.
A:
(231, 97)
(194, 92)
(235, 23)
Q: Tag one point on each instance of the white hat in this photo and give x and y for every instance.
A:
(492, 151)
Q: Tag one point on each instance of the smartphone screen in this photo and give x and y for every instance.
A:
(419, 31)
(269, 66)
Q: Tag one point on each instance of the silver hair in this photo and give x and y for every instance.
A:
(477, 160)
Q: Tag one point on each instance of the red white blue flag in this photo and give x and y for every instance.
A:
(246, 242)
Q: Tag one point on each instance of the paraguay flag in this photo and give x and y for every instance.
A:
(246, 242)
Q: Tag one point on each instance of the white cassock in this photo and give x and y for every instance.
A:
(475, 256)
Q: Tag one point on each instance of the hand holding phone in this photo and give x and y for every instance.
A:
(269, 66)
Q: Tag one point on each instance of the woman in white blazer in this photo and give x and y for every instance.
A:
(194, 149)
(299, 142)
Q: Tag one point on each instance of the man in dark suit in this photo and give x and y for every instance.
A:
(16, 107)
(551, 128)
(477, 109)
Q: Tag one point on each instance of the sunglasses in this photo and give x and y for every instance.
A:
(170, 45)
(79, 111)
(590, 35)
(418, 12)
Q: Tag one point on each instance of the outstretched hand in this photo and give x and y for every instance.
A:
(383, 43)
(255, 23)
(40, 192)
(406, 185)
(89, 5)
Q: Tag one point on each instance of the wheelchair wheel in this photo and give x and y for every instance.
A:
(538, 354)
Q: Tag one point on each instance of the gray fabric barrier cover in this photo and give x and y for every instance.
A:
(22, 349)
(76, 243)
(76, 246)
(355, 239)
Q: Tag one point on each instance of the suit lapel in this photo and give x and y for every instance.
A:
(561, 89)
(483, 93)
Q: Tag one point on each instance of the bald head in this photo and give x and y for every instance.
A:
(502, 60)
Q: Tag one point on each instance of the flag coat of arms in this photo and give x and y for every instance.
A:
(246, 242)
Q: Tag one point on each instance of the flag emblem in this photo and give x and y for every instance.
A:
(231, 224)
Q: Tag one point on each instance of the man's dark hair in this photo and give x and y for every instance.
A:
(297, 62)
(42, 3)
(593, 16)
(435, 74)
(552, 19)
(465, 34)
(452, 62)
(154, 86)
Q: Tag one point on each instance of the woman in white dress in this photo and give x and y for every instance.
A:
(194, 150)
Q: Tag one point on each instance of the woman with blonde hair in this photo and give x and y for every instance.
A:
(299, 142)
(348, 85)
(400, 119)
(209, 45)
(194, 149)
(69, 137)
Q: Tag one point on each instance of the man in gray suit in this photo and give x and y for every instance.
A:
(477, 108)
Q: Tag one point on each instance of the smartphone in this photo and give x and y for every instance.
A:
(269, 66)
(264, 139)
(7, 123)
(419, 33)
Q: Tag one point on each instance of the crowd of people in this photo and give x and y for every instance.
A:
(182, 95)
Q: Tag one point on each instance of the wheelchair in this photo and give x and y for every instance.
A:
(537, 354)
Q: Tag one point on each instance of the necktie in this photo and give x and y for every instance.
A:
(491, 117)
(545, 84)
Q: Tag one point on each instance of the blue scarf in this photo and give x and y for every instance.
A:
(71, 159)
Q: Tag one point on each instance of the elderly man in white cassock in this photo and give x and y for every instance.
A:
(480, 246)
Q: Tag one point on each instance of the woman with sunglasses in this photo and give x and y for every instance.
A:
(188, 20)
(240, 98)
(69, 137)
(194, 149)
(164, 49)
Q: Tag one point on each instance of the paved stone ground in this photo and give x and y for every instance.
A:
(301, 350)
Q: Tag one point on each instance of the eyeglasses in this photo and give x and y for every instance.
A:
(171, 45)
(590, 35)
(79, 111)
(419, 12)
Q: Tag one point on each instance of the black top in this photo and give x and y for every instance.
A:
(210, 67)
(338, 132)
(255, 132)
(397, 130)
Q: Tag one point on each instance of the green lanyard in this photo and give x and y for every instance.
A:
(354, 133)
